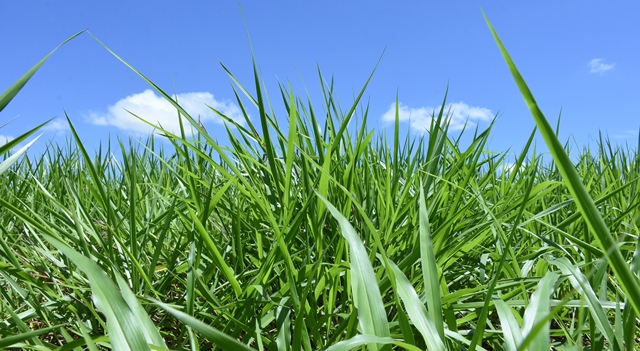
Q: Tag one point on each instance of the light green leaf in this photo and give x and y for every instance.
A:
(124, 326)
(366, 294)
(416, 311)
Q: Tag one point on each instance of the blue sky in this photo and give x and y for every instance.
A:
(578, 57)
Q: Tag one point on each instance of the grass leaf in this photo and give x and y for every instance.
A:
(366, 294)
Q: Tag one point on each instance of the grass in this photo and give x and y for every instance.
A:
(316, 236)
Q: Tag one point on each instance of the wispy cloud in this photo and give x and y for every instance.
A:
(159, 111)
(420, 118)
(598, 65)
(5, 139)
(626, 134)
(57, 125)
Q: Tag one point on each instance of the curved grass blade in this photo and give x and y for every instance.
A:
(14, 142)
(4, 165)
(366, 294)
(13, 90)
(537, 311)
(361, 340)
(586, 206)
(148, 328)
(125, 326)
(9, 341)
(222, 340)
(416, 311)
(509, 325)
(581, 284)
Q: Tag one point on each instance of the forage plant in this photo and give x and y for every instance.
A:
(301, 232)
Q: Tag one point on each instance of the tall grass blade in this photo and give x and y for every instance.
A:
(15, 88)
(571, 178)
(417, 312)
(509, 324)
(366, 294)
(6, 164)
(17, 140)
(536, 312)
(430, 268)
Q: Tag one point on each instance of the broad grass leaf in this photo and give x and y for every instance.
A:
(366, 293)
(430, 268)
(509, 324)
(124, 326)
(148, 328)
(4, 165)
(416, 311)
(537, 311)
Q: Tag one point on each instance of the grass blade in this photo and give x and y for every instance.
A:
(4, 165)
(537, 311)
(360, 340)
(581, 284)
(125, 327)
(430, 268)
(15, 88)
(366, 294)
(416, 311)
(586, 206)
(219, 338)
(509, 325)
(9, 341)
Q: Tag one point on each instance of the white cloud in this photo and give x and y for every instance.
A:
(159, 111)
(420, 118)
(5, 139)
(57, 125)
(599, 66)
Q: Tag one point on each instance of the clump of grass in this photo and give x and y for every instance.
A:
(313, 236)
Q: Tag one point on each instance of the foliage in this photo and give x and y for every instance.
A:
(318, 235)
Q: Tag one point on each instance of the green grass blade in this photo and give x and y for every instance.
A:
(430, 268)
(509, 325)
(146, 325)
(218, 260)
(361, 340)
(366, 294)
(283, 324)
(14, 142)
(9, 341)
(4, 165)
(224, 341)
(581, 284)
(292, 140)
(416, 311)
(124, 326)
(15, 88)
(537, 311)
(586, 206)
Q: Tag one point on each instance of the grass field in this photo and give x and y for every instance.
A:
(304, 234)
